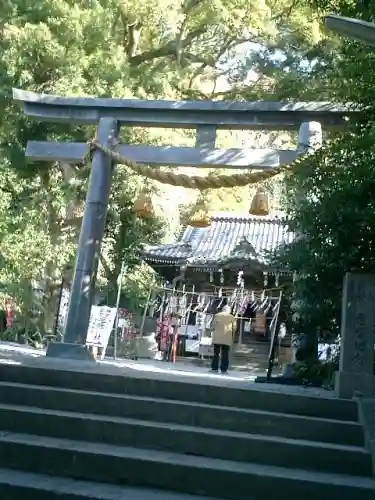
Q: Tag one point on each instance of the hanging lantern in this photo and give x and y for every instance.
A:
(200, 217)
(143, 206)
(260, 204)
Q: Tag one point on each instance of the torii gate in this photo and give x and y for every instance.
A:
(204, 116)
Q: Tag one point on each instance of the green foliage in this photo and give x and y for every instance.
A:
(330, 196)
(335, 220)
(315, 372)
(61, 48)
(125, 232)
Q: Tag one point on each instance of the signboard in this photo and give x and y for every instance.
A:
(101, 321)
(101, 325)
(358, 324)
(63, 307)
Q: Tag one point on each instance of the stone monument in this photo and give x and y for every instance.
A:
(356, 371)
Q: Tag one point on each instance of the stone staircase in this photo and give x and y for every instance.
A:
(68, 434)
(252, 349)
(251, 356)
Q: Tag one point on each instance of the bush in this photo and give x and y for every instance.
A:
(319, 370)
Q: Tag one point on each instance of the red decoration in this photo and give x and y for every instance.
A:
(9, 313)
(163, 332)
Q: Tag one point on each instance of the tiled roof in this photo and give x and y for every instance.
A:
(227, 239)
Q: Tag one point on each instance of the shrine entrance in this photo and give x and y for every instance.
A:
(104, 152)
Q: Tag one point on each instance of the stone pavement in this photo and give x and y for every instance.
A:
(180, 371)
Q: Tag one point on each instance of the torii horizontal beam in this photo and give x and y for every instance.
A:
(75, 152)
(258, 115)
(356, 29)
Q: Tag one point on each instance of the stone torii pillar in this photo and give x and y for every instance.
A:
(90, 239)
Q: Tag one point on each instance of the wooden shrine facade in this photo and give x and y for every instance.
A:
(232, 247)
(109, 115)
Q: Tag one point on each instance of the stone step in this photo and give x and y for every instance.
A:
(172, 471)
(251, 349)
(183, 413)
(103, 378)
(197, 441)
(251, 357)
(18, 485)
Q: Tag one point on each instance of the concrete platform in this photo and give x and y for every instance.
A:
(245, 365)
(15, 354)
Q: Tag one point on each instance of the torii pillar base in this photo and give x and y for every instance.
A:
(65, 350)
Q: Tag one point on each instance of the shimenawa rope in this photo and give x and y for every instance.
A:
(212, 181)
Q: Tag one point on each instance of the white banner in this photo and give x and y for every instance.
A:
(101, 325)
(101, 321)
(63, 307)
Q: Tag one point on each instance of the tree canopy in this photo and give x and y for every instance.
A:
(157, 49)
(216, 49)
(330, 197)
